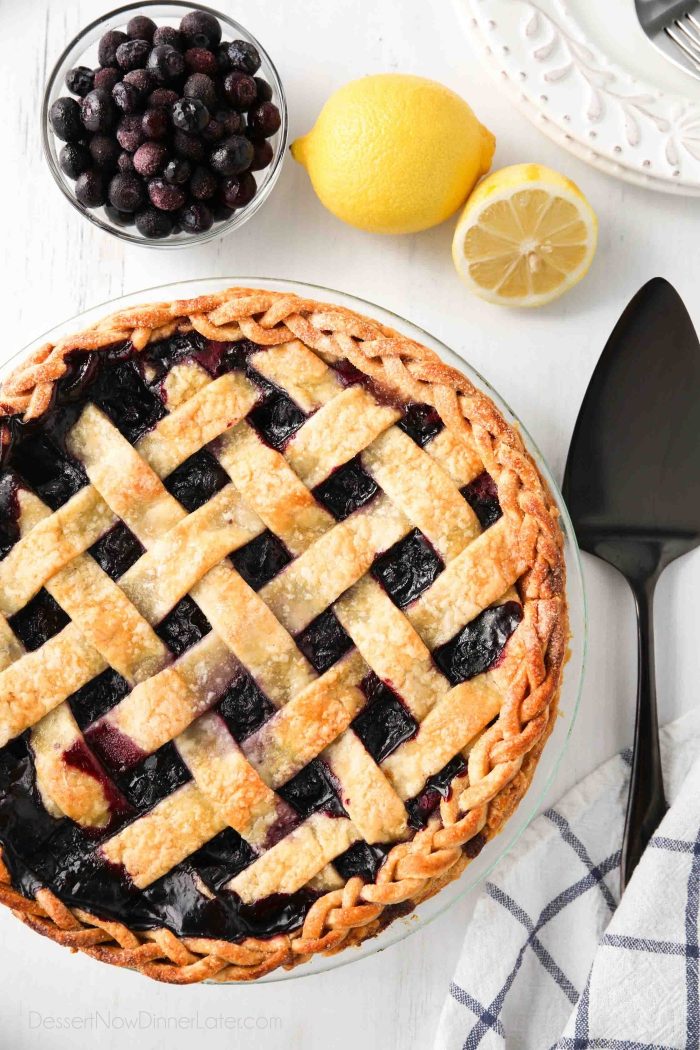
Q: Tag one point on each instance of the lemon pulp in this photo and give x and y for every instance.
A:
(526, 235)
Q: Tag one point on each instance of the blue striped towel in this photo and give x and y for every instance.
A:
(553, 961)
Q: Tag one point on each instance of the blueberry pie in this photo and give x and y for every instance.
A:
(282, 624)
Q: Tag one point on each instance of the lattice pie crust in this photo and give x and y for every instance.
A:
(498, 720)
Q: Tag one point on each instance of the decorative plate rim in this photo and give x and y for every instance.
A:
(582, 99)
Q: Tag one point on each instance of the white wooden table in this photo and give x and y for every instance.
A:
(55, 264)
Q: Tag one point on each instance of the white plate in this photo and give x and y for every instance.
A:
(584, 72)
(548, 764)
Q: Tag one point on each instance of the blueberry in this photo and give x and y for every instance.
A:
(126, 97)
(130, 133)
(165, 63)
(200, 29)
(125, 161)
(90, 189)
(201, 87)
(231, 121)
(107, 47)
(232, 156)
(214, 132)
(153, 223)
(105, 79)
(155, 123)
(104, 151)
(203, 183)
(80, 80)
(219, 210)
(237, 191)
(223, 61)
(140, 28)
(74, 160)
(228, 192)
(140, 79)
(246, 190)
(195, 218)
(64, 117)
(262, 155)
(264, 120)
(168, 35)
(162, 97)
(200, 60)
(177, 171)
(189, 114)
(240, 89)
(119, 218)
(150, 158)
(165, 196)
(133, 54)
(264, 90)
(126, 192)
(188, 145)
(97, 110)
(244, 56)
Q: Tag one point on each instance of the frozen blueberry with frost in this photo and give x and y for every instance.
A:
(80, 80)
(64, 117)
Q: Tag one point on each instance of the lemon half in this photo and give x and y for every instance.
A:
(526, 235)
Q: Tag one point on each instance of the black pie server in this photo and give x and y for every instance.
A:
(632, 485)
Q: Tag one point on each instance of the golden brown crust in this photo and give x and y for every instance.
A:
(501, 763)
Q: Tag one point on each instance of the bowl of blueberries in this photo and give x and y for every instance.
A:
(165, 124)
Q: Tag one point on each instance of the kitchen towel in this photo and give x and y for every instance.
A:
(552, 960)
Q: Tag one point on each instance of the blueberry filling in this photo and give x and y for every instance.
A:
(221, 858)
(260, 560)
(39, 620)
(384, 723)
(196, 480)
(114, 748)
(314, 788)
(482, 496)
(122, 394)
(40, 850)
(97, 697)
(277, 419)
(346, 490)
(153, 779)
(116, 551)
(53, 475)
(9, 513)
(184, 625)
(421, 423)
(478, 645)
(244, 707)
(362, 859)
(437, 787)
(324, 641)
(408, 568)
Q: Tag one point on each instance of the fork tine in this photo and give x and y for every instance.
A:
(693, 21)
(693, 56)
(689, 32)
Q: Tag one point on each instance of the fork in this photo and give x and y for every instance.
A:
(673, 27)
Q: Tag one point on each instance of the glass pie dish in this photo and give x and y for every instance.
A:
(569, 697)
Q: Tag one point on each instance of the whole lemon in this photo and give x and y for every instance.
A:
(394, 153)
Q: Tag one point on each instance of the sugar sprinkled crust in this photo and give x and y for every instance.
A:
(523, 549)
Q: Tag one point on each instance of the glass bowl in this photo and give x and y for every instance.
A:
(496, 849)
(83, 51)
